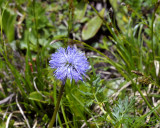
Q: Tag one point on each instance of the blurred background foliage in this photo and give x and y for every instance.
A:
(121, 41)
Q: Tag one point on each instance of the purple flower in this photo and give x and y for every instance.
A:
(69, 63)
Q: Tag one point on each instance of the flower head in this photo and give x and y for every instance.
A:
(69, 63)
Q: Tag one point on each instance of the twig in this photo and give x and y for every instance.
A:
(34, 83)
(22, 112)
(4, 115)
(7, 123)
(125, 86)
(6, 99)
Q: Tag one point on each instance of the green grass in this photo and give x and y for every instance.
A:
(122, 86)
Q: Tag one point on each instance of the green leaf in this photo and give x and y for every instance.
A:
(8, 22)
(91, 27)
(40, 96)
(1, 2)
(2, 124)
(80, 11)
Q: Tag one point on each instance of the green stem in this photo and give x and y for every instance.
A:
(147, 102)
(2, 38)
(110, 117)
(35, 24)
(100, 105)
(57, 106)
(153, 17)
(110, 112)
(64, 116)
(152, 23)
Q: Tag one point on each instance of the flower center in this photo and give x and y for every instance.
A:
(68, 64)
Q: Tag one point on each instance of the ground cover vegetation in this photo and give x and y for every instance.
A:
(119, 85)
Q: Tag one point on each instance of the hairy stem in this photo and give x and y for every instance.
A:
(57, 107)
